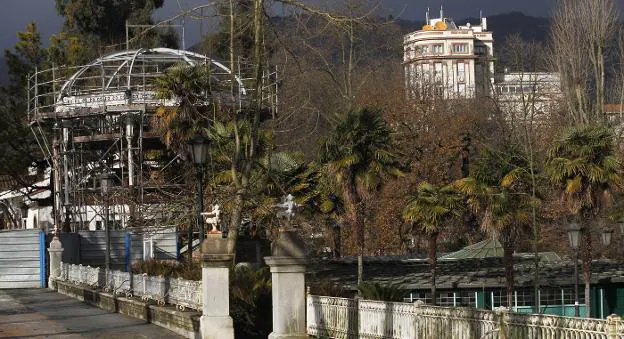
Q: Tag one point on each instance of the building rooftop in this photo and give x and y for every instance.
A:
(476, 266)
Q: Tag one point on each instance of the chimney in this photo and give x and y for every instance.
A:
(484, 24)
(427, 22)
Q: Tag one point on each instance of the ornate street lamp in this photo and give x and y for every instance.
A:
(574, 233)
(198, 150)
(106, 182)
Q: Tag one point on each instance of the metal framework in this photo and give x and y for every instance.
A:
(95, 119)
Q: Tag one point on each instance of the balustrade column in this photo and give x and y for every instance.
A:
(612, 322)
(56, 256)
(287, 262)
(215, 322)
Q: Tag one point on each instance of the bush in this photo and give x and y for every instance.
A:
(250, 302)
(166, 268)
(250, 293)
(376, 291)
(330, 289)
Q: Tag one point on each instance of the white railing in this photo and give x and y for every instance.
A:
(179, 292)
(329, 317)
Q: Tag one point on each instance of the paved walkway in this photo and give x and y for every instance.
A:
(41, 313)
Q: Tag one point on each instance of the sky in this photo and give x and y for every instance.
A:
(16, 14)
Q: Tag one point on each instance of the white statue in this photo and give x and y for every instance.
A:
(288, 204)
(213, 217)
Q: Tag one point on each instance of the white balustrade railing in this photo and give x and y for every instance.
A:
(179, 292)
(379, 319)
(332, 317)
(347, 318)
(185, 293)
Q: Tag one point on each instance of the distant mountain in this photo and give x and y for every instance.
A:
(529, 27)
(4, 76)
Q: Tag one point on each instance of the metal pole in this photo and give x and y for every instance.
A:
(190, 242)
(200, 203)
(576, 285)
(108, 238)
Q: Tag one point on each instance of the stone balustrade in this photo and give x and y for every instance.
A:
(179, 292)
(350, 318)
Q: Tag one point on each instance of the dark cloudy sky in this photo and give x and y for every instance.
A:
(15, 14)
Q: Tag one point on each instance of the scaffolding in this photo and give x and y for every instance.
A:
(94, 119)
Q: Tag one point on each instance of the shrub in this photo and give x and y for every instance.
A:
(376, 291)
(250, 302)
(250, 293)
(166, 268)
(330, 289)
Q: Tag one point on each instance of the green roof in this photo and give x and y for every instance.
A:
(485, 249)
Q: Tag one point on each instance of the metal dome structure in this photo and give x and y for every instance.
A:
(96, 118)
(116, 79)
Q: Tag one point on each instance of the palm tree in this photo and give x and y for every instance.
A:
(358, 155)
(191, 87)
(498, 189)
(583, 164)
(431, 208)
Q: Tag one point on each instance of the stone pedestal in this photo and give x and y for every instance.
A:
(215, 322)
(288, 280)
(56, 255)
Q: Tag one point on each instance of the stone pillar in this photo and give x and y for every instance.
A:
(56, 255)
(215, 322)
(287, 262)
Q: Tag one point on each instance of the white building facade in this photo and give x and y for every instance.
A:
(528, 96)
(449, 61)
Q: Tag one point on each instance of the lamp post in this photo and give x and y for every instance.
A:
(198, 150)
(574, 233)
(106, 181)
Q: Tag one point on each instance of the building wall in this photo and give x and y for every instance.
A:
(450, 63)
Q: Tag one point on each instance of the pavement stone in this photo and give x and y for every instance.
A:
(42, 313)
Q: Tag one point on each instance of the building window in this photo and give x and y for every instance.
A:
(422, 50)
(446, 299)
(423, 296)
(438, 49)
(437, 75)
(426, 71)
(98, 225)
(467, 298)
(499, 298)
(480, 50)
(460, 48)
(568, 295)
(461, 72)
(461, 89)
(525, 297)
(550, 296)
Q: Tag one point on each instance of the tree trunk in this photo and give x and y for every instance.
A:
(359, 224)
(432, 249)
(586, 252)
(509, 271)
(235, 221)
(337, 238)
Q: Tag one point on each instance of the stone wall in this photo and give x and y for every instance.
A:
(182, 323)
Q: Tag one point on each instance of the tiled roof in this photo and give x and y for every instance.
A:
(415, 274)
(487, 248)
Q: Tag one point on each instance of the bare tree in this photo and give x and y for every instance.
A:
(581, 33)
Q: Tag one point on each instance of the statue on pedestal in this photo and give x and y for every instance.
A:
(213, 218)
(288, 205)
